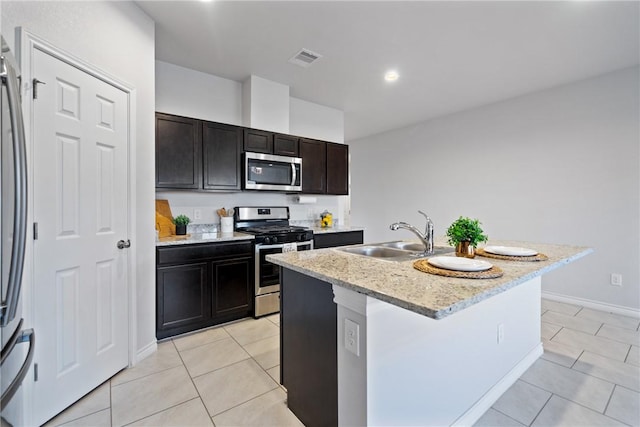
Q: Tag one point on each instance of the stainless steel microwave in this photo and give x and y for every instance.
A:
(272, 173)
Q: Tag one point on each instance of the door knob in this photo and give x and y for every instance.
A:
(124, 244)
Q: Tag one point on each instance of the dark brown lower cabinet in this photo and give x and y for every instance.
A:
(202, 285)
(309, 348)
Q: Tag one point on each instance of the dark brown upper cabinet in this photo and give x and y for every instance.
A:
(285, 145)
(258, 141)
(325, 167)
(196, 154)
(337, 169)
(178, 152)
(314, 166)
(221, 156)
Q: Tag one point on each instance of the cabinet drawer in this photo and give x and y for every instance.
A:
(191, 253)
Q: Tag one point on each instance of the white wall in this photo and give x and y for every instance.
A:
(116, 37)
(190, 93)
(265, 105)
(221, 101)
(315, 121)
(557, 166)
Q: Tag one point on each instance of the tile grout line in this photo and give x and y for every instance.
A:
(77, 401)
(235, 363)
(260, 366)
(246, 401)
(168, 407)
(191, 378)
(506, 415)
(149, 374)
(609, 400)
(554, 335)
(628, 354)
(543, 406)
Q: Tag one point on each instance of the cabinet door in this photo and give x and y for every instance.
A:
(314, 166)
(258, 141)
(337, 169)
(285, 145)
(178, 152)
(222, 156)
(232, 287)
(182, 300)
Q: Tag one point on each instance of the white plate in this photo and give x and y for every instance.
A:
(510, 251)
(459, 264)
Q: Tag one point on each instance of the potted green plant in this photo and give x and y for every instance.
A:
(181, 222)
(465, 234)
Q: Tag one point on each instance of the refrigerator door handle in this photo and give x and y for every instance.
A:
(9, 306)
(26, 335)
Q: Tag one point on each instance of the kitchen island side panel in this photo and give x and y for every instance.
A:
(308, 348)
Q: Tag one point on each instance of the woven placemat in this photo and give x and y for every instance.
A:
(531, 258)
(424, 266)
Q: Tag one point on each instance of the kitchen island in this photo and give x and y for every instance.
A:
(366, 341)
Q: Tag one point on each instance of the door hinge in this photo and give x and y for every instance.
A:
(35, 231)
(35, 372)
(35, 87)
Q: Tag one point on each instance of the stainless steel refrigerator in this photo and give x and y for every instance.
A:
(17, 343)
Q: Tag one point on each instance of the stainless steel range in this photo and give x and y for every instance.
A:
(274, 235)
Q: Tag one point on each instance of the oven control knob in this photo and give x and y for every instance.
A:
(300, 237)
(267, 240)
(274, 239)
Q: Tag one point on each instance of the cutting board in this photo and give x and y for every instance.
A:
(164, 223)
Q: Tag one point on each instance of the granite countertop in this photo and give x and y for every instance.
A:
(190, 239)
(337, 229)
(434, 296)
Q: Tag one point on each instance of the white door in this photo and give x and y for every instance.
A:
(80, 168)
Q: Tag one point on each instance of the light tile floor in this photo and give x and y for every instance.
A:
(589, 375)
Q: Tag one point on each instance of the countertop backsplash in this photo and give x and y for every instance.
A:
(205, 204)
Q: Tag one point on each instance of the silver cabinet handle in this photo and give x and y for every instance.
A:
(124, 244)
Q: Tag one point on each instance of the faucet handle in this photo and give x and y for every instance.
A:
(429, 227)
(426, 216)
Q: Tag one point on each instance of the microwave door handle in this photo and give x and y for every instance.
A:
(9, 306)
(294, 174)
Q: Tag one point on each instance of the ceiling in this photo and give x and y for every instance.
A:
(451, 55)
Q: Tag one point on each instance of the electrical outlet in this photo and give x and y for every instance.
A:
(197, 214)
(352, 336)
(500, 333)
(616, 279)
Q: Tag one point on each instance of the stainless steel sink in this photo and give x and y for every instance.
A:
(375, 251)
(407, 246)
(393, 251)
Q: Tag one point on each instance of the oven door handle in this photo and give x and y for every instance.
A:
(280, 245)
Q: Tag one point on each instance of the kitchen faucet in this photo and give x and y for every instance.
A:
(426, 238)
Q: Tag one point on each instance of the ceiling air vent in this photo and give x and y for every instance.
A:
(305, 57)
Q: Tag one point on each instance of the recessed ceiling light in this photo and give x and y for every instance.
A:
(391, 76)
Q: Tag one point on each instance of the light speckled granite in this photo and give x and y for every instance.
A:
(338, 229)
(434, 296)
(203, 238)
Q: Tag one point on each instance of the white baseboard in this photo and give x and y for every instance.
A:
(609, 308)
(146, 351)
(474, 413)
